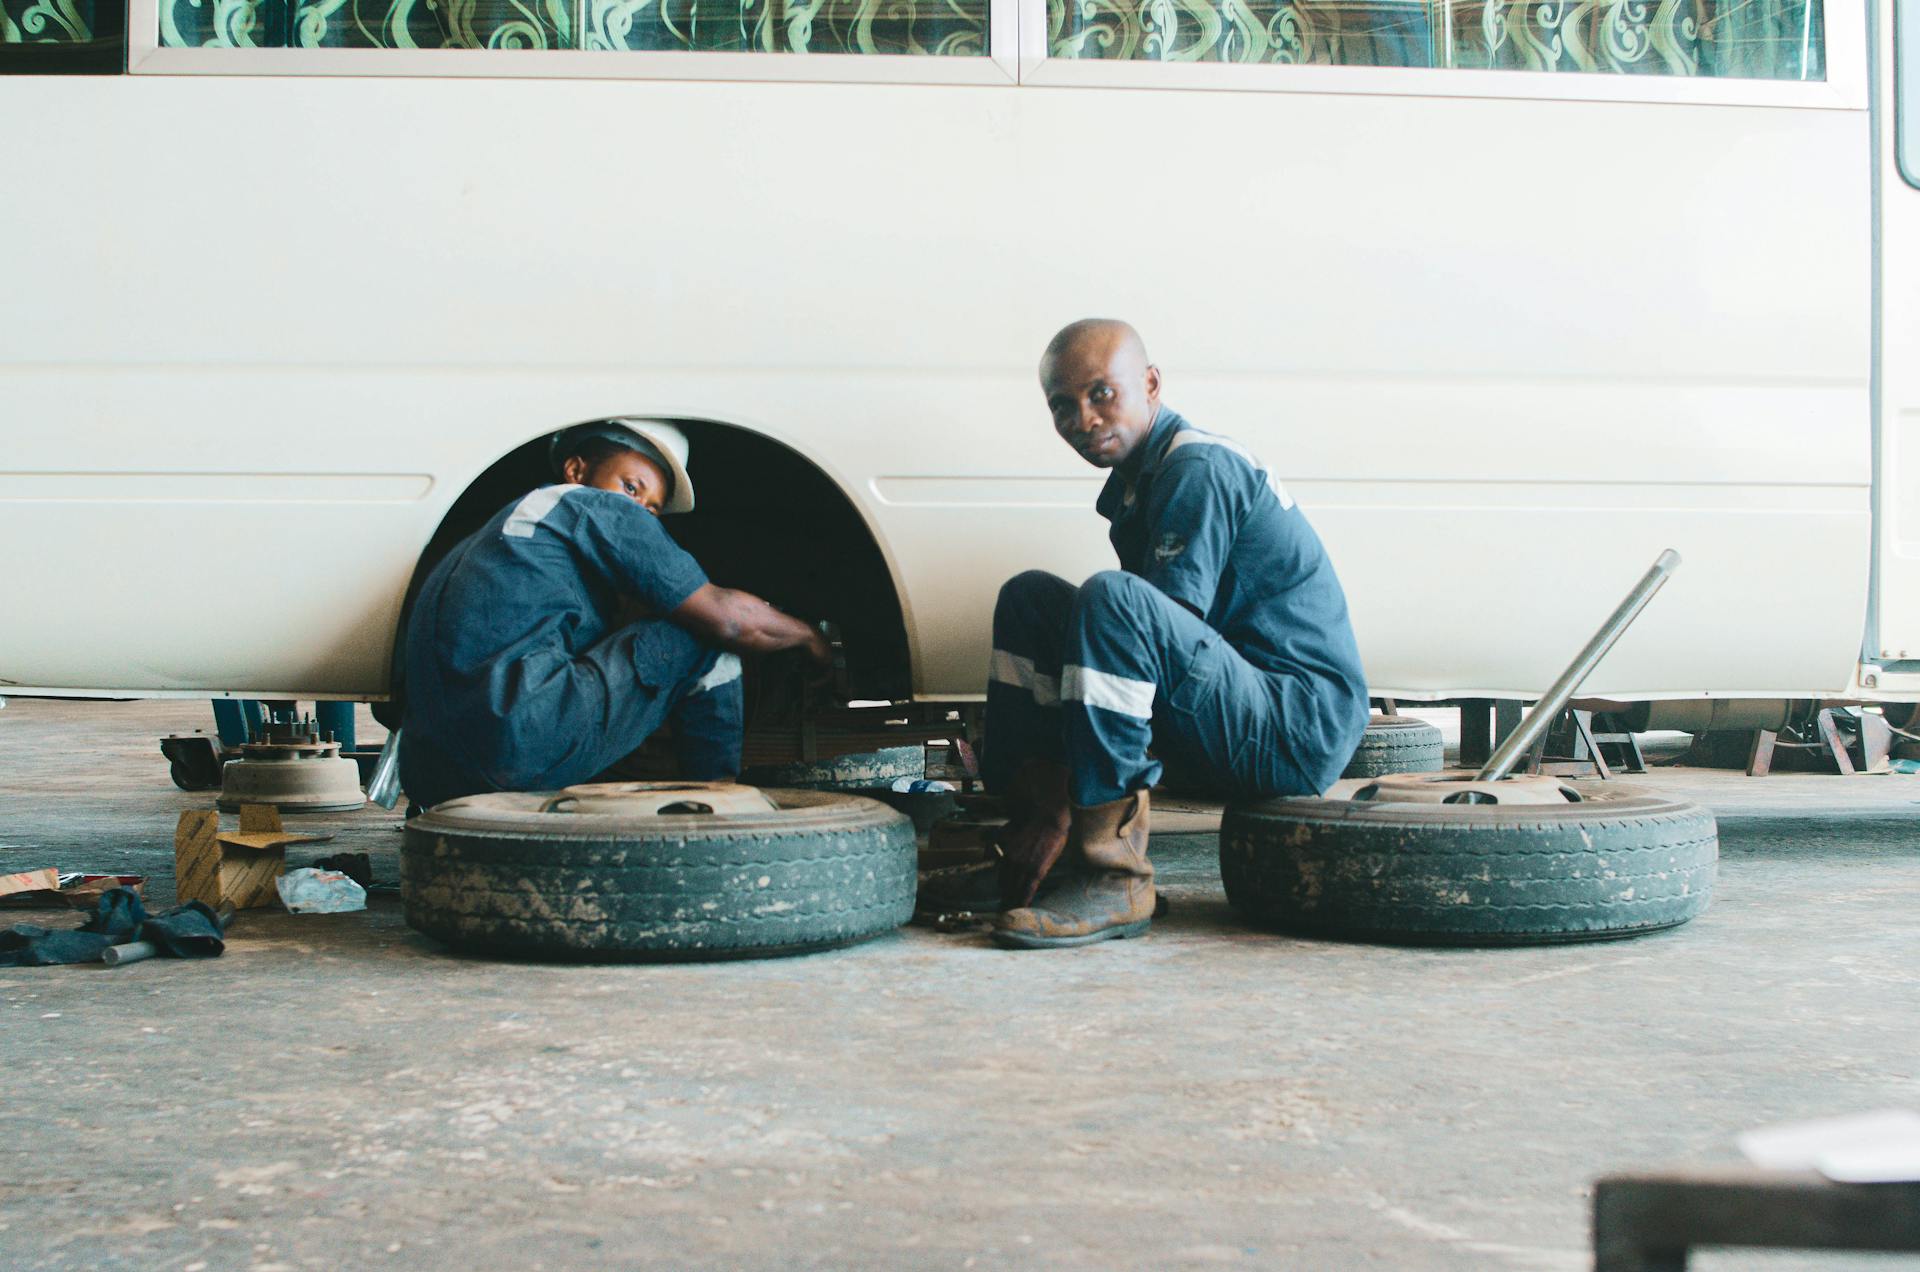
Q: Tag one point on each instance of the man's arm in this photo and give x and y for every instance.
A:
(629, 545)
(745, 624)
(1194, 511)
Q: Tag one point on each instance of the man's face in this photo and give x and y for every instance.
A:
(626, 473)
(1103, 397)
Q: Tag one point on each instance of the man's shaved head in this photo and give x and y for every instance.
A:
(1105, 333)
(1101, 390)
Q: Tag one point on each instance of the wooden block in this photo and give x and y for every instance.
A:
(206, 868)
(268, 839)
(259, 819)
(196, 854)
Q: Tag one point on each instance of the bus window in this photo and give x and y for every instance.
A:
(946, 28)
(63, 37)
(1906, 81)
(1744, 39)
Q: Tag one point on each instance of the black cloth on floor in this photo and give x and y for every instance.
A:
(186, 931)
(357, 866)
(118, 914)
(29, 945)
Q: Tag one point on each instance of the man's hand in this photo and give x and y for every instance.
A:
(744, 624)
(819, 650)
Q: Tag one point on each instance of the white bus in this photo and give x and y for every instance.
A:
(1512, 293)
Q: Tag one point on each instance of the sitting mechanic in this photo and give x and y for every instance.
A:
(1222, 643)
(519, 674)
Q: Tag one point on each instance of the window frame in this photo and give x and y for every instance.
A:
(1000, 66)
(1844, 88)
(1016, 31)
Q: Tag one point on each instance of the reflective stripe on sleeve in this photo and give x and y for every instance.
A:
(1012, 669)
(1107, 691)
(1194, 437)
(533, 510)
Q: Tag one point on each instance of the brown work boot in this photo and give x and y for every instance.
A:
(1101, 889)
(1039, 816)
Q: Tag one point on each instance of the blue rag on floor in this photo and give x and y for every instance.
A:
(186, 931)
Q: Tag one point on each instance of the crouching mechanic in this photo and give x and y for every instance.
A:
(520, 674)
(1222, 643)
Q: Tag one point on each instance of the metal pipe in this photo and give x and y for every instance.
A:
(383, 787)
(131, 952)
(1521, 740)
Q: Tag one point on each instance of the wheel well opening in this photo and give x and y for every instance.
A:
(766, 520)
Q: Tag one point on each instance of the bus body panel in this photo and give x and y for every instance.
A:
(1896, 638)
(1502, 351)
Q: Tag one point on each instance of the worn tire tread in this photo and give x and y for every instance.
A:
(1397, 744)
(675, 894)
(1618, 865)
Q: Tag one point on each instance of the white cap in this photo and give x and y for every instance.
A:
(674, 448)
(663, 443)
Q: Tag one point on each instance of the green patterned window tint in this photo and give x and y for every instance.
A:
(1744, 39)
(62, 37)
(946, 28)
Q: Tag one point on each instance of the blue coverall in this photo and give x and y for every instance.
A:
(1223, 643)
(518, 678)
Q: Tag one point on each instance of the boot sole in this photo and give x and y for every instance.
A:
(1025, 941)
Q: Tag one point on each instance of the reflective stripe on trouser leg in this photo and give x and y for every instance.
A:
(1112, 667)
(1023, 678)
(1143, 671)
(707, 723)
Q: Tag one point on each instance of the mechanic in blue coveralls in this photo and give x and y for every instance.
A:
(1222, 643)
(520, 673)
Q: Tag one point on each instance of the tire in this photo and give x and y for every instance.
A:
(863, 771)
(1397, 744)
(192, 762)
(1617, 864)
(822, 870)
(189, 778)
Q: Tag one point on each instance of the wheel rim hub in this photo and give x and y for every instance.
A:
(1454, 788)
(648, 799)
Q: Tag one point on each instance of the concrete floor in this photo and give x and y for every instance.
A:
(337, 1092)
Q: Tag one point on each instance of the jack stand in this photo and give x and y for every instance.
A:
(1610, 731)
(1578, 750)
(1872, 732)
(1484, 725)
